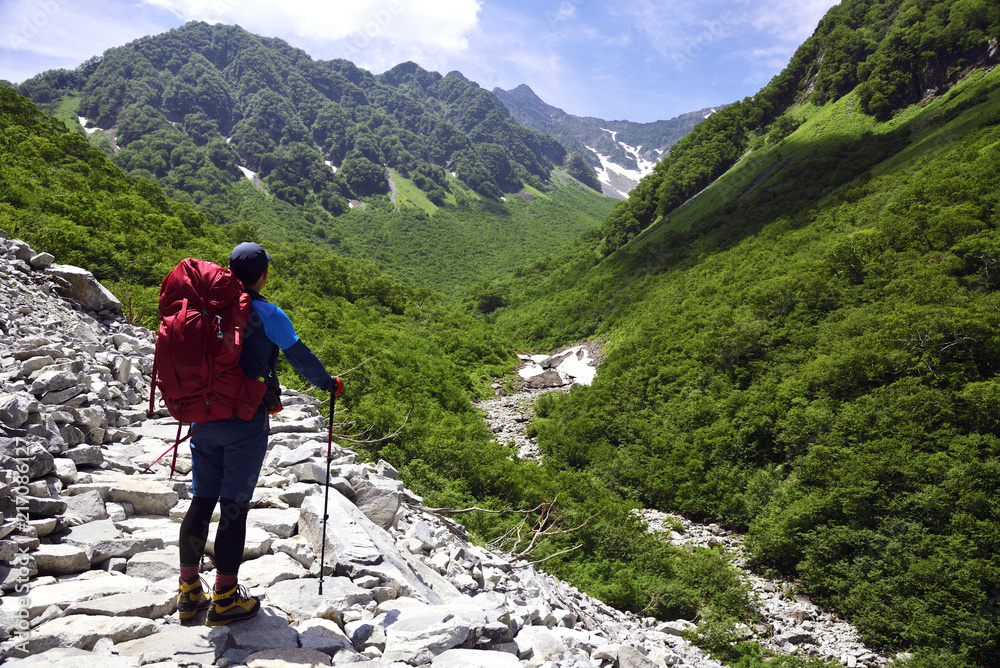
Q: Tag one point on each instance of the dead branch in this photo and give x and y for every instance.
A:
(502, 511)
(308, 386)
(369, 441)
(520, 541)
(588, 623)
(545, 527)
(554, 555)
(453, 526)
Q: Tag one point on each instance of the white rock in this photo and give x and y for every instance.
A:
(539, 644)
(270, 569)
(155, 565)
(418, 635)
(676, 628)
(60, 560)
(85, 289)
(279, 523)
(14, 408)
(470, 658)
(607, 652)
(73, 657)
(84, 631)
(323, 635)
(300, 599)
(186, 644)
(629, 657)
(149, 605)
(87, 507)
(288, 658)
(267, 630)
(296, 456)
(297, 548)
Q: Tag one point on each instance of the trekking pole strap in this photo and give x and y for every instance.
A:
(152, 391)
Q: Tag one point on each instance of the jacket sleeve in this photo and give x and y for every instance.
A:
(306, 363)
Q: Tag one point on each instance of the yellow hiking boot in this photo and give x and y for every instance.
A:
(231, 605)
(191, 598)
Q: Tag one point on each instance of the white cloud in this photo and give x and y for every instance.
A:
(683, 31)
(38, 35)
(412, 24)
(54, 28)
(790, 20)
(565, 11)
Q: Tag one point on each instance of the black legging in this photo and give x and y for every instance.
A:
(229, 539)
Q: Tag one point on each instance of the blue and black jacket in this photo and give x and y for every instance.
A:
(270, 330)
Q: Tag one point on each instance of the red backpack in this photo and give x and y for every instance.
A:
(196, 365)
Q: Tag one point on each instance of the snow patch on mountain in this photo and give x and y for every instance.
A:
(83, 123)
(575, 365)
(617, 180)
(254, 179)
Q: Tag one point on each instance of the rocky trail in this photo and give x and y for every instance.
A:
(790, 622)
(88, 543)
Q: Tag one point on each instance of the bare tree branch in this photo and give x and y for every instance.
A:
(308, 386)
(502, 511)
(552, 556)
(521, 540)
(369, 441)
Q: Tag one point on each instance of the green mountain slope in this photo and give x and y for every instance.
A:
(892, 53)
(454, 249)
(206, 111)
(808, 348)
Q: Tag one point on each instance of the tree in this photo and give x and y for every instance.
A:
(364, 177)
(578, 168)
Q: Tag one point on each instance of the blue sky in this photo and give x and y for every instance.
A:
(640, 60)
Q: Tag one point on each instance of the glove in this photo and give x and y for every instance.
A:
(337, 387)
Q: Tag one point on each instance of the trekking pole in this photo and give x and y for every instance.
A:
(338, 387)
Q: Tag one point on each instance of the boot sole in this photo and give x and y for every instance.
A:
(191, 613)
(223, 622)
(188, 614)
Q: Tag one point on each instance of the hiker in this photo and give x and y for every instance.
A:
(226, 455)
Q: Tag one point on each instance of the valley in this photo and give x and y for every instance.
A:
(785, 621)
(795, 311)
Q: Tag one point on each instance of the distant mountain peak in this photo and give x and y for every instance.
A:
(524, 91)
(621, 152)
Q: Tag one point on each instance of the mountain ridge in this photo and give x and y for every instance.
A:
(226, 99)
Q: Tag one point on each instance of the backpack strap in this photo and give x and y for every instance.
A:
(256, 323)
